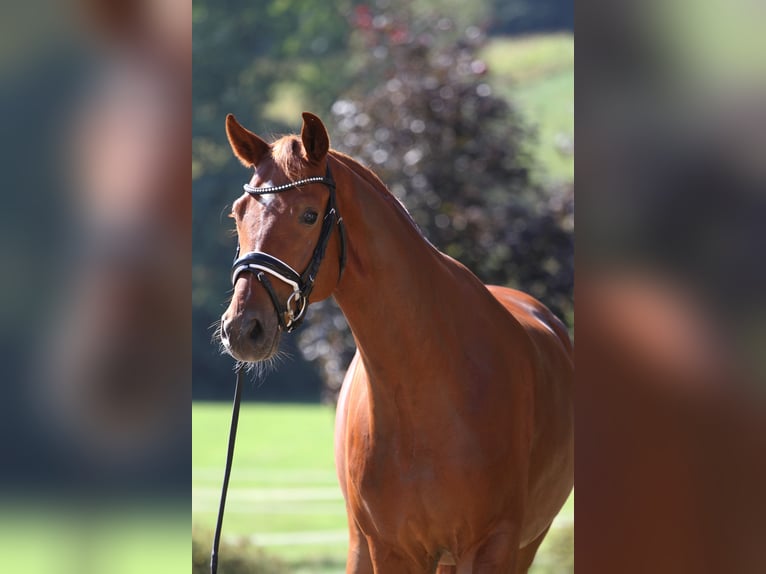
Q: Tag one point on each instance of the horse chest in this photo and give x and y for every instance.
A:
(398, 491)
(394, 501)
(422, 467)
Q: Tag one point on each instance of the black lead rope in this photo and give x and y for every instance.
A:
(227, 472)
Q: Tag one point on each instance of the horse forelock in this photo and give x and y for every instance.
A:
(287, 153)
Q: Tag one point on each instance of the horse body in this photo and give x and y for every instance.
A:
(454, 428)
(453, 432)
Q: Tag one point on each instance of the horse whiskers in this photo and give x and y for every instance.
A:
(260, 369)
(216, 337)
(215, 326)
(263, 368)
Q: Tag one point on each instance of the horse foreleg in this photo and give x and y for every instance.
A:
(359, 559)
(385, 560)
(497, 554)
(527, 554)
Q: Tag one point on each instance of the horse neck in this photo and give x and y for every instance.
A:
(396, 284)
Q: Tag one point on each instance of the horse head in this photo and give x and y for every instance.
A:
(285, 221)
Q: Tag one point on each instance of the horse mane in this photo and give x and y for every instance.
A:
(371, 178)
(359, 169)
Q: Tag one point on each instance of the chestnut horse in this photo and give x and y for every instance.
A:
(454, 428)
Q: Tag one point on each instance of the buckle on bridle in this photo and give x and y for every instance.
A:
(299, 300)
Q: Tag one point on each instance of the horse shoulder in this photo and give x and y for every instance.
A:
(351, 412)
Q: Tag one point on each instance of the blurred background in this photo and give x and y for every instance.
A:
(465, 110)
(95, 448)
(671, 287)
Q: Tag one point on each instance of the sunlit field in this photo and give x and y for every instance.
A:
(536, 74)
(72, 537)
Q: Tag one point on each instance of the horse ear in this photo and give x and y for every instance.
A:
(247, 146)
(316, 142)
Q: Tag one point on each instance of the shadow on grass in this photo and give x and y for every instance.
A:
(233, 558)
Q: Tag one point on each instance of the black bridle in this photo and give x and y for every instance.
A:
(262, 264)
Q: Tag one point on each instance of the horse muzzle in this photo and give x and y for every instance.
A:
(250, 337)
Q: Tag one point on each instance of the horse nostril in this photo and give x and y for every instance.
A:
(256, 332)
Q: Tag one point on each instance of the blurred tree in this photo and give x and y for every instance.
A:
(422, 115)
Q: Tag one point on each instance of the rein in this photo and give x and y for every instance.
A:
(291, 314)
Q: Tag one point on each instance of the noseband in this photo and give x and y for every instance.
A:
(262, 264)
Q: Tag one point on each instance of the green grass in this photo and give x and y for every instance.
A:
(284, 495)
(284, 437)
(37, 537)
(530, 58)
(283, 485)
(536, 73)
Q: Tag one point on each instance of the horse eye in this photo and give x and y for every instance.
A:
(310, 217)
